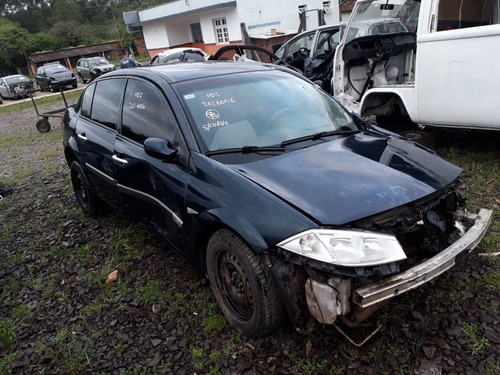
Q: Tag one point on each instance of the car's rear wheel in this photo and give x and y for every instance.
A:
(52, 88)
(89, 202)
(243, 285)
(75, 85)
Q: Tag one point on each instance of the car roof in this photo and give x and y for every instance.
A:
(14, 75)
(189, 71)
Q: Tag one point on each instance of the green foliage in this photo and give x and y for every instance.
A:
(214, 323)
(43, 41)
(14, 41)
(476, 343)
(70, 33)
(8, 333)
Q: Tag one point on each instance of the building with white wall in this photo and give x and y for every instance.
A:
(210, 23)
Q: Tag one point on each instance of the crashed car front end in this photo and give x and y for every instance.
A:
(349, 272)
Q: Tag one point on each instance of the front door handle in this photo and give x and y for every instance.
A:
(82, 136)
(123, 161)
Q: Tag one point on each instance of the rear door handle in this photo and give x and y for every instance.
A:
(82, 136)
(120, 160)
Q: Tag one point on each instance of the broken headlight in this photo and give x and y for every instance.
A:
(345, 248)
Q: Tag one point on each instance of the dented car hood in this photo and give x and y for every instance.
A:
(353, 177)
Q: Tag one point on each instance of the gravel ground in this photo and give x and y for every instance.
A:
(58, 316)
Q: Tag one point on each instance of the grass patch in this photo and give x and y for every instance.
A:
(8, 333)
(47, 100)
(6, 363)
(214, 323)
(152, 292)
(476, 343)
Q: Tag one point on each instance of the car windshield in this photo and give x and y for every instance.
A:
(16, 79)
(259, 109)
(55, 69)
(98, 61)
(378, 17)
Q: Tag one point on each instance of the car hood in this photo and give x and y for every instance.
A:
(61, 75)
(103, 66)
(352, 177)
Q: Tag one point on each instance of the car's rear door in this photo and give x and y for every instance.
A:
(96, 131)
(153, 190)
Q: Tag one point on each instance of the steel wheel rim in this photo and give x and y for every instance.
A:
(235, 288)
(80, 188)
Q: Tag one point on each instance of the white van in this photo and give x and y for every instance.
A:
(435, 62)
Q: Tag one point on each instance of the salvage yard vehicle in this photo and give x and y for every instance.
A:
(179, 54)
(89, 68)
(431, 62)
(54, 77)
(312, 52)
(290, 205)
(15, 86)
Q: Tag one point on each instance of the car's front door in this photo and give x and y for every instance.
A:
(96, 134)
(41, 78)
(4, 88)
(153, 190)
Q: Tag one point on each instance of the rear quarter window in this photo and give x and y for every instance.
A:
(86, 101)
(106, 102)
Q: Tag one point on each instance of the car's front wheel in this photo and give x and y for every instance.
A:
(243, 285)
(88, 201)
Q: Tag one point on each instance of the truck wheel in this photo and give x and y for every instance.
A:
(90, 203)
(43, 125)
(242, 285)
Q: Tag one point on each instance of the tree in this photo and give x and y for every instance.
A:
(42, 42)
(70, 33)
(14, 42)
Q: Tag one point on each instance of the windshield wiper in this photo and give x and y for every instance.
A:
(316, 136)
(246, 150)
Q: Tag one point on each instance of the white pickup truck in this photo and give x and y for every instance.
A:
(436, 62)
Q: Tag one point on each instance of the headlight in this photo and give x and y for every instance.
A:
(345, 248)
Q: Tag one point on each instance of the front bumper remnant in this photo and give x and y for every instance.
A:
(428, 270)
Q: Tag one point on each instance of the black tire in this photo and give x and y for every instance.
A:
(52, 88)
(81, 78)
(90, 203)
(75, 85)
(43, 125)
(243, 285)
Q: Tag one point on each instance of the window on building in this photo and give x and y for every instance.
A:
(221, 32)
(196, 33)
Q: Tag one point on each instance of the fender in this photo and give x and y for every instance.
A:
(378, 101)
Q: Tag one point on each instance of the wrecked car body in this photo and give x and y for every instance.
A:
(312, 52)
(289, 206)
(426, 62)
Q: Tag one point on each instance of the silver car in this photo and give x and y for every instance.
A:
(15, 86)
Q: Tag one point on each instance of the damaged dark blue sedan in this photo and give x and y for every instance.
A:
(259, 179)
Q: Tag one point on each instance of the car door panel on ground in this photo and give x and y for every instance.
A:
(96, 132)
(152, 189)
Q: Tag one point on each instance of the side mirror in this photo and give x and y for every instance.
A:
(160, 149)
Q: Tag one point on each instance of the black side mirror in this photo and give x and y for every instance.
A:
(160, 149)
